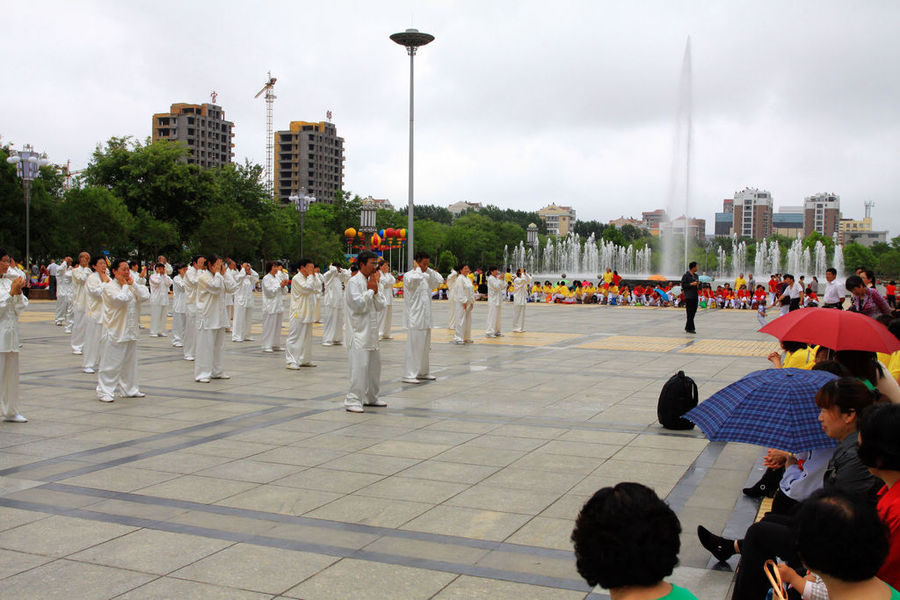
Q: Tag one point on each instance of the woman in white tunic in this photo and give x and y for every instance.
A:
(229, 273)
(118, 365)
(274, 289)
(496, 288)
(191, 277)
(521, 283)
(245, 279)
(305, 288)
(212, 320)
(417, 286)
(93, 332)
(334, 279)
(12, 303)
(464, 297)
(79, 301)
(63, 291)
(363, 305)
(386, 283)
(179, 308)
(159, 300)
(454, 305)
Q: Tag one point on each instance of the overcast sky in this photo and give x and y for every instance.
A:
(518, 103)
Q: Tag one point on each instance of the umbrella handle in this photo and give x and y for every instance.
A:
(775, 579)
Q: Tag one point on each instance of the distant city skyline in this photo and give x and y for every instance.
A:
(518, 104)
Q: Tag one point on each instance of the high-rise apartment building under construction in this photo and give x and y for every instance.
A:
(202, 128)
(309, 156)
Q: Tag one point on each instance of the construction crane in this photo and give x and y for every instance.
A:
(269, 89)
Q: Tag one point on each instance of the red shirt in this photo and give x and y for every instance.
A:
(773, 285)
(638, 290)
(616, 279)
(889, 511)
(890, 290)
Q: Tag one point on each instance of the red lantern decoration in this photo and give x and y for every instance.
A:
(389, 233)
(376, 241)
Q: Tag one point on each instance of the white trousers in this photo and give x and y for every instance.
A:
(78, 325)
(243, 319)
(210, 351)
(493, 319)
(298, 349)
(190, 334)
(365, 376)
(463, 325)
(384, 322)
(93, 334)
(62, 307)
(9, 384)
(333, 328)
(158, 319)
(418, 345)
(178, 323)
(271, 331)
(518, 323)
(455, 311)
(118, 369)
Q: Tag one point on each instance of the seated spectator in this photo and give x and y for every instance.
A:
(797, 355)
(866, 300)
(865, 367)
(626, 539)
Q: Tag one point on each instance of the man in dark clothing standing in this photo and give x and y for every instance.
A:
(689, 286)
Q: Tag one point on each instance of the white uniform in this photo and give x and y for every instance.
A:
(273, 294)
(138, 303)
(520, 299)
(93, 317)
(79, 307)
(159, 303)
(321, 283)
(464, 298)
(229, 296)
(363, 307)
(417, 288)
(118, 365)
(333, 301)
(10, 309)
(386, 290)
(212, 320)
(304, 293)
(451, 297)
(179, 311)
(496, 287)
(243, 305)
(64, 296)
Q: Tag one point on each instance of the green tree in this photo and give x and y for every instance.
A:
(586, 228)
(857, 255)
(889, 264)
(98, 220)
(446, 262)
(614, 235)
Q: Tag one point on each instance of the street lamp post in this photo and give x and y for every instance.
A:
(367, 216)
(301, 202)
(411, 39)
(28, 164)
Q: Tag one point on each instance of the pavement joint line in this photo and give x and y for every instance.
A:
(286, 544)
(693, 475)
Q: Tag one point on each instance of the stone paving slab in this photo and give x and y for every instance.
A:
(262, 486)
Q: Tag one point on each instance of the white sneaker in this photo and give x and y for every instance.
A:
(77, 352)
(137, 395)
(222, 376)
(354, 408)
(16, 418)
(88, 370)
(293, 366)
(378, 402)
(327, 344)
(268, 350)
(177, 345)
(188, 358)
(459, 342)
(202, 380)
(410, 380)
(106, 399)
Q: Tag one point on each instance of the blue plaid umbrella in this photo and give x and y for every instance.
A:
(774, 408)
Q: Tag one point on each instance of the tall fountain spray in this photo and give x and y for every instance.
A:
(675, 261)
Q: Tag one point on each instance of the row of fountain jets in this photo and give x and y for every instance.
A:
(574, 256)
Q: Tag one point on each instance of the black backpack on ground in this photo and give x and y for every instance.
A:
(678, 396)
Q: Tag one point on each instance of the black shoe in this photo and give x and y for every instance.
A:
(690, 331)
(766, 486)
(721, 548)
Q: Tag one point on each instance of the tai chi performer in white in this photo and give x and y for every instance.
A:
(79, 301)
(453, 304)
(198, 264)
(229, 273)
(386, 283)
(12, 303)
(179, 306)
(364, 304)
(305, 289)
(159, 300)
(417, 286)
(93, 331)
(496, 289)
(118, 365)
(274, 289)
(245, 279)
(333, 301)
(63, 291)
(212, 320)
(521, 285)
(464, 297)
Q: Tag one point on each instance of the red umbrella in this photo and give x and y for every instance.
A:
(835, 329)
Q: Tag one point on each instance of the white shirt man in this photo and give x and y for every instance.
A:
(212, 320)
(229, 273)
(464, 297)
(305, 289)
(454, 305)
(333, 301)
(496, 288)
(12, 303)
(191, 278)
(521, 283)
(159, 300)
(245, 279)
(93, 332)
(835, 292)
(64, 293)
(118, 365)
(417, 286)
(363, 303)
(386, 283)
(179, 307)
(274, 289)
(79, 301)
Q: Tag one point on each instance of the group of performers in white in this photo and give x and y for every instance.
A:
(99, 302)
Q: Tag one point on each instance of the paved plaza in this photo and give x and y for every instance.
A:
(262, 486)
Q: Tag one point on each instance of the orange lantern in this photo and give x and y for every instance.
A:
(350, 232)
(376, 241)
